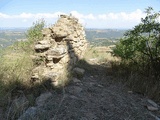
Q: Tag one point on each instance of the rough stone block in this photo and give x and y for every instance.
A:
(42, 47)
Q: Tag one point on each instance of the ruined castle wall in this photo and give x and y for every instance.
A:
(62, 46)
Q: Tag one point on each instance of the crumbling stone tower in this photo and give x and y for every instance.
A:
(62, 46)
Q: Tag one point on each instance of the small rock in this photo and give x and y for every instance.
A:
(101, 86)
(91, 116)
(92, 84)
(56, 52)
(75, 90)
(79, 84)
(35, 76)
(151, 108)
(40, 101)
(152, 103)
(79, 71)
(130, 92)
(61, 34)
(75, 80)
(91, 76)
(41, 47)
(44, 42)
(73, 97)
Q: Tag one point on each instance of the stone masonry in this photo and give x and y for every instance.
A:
(62, 46)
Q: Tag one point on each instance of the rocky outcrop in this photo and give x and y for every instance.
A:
(62, 46)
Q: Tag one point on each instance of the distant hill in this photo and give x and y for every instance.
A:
(104, 37)
(10, 35)
(98, 37)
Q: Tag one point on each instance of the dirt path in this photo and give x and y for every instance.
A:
(94, 97)
(92, 100)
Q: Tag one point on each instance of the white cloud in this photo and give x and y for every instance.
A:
(81, 16)
(24, 15)
(4, 15)
(24, 20)
(30, 15)
(108, 20)
(136, 15)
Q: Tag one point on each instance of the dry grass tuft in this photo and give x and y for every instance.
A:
(100, 55)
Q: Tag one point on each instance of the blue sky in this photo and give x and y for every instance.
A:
(91, 13)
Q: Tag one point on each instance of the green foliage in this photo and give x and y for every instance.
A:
(141, 45)
(35, 32)
(16, 63)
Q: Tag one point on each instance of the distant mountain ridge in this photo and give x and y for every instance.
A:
(95, 36)
(104, 37)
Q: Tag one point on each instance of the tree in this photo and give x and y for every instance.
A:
(141, 45)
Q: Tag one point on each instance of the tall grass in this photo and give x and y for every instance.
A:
(16, 63)
(99, 55)
(15, 70)
(137, 80)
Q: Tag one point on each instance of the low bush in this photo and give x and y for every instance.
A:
(139, 51)
(141, 46)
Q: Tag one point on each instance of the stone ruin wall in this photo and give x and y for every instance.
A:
(62, 46)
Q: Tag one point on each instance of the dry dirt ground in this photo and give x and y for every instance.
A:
(95, 97)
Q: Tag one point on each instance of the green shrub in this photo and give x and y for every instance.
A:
(35, 32)
(141, 45)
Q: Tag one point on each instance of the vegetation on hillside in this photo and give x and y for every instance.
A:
(8, 37)
(16, 63)
(96, 37)
(142, 44)
(139, 50)
(103, 37)
(35, 32)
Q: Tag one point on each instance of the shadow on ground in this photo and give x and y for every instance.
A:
(95, 96)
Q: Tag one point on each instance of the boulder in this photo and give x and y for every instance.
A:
(40, 101)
